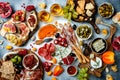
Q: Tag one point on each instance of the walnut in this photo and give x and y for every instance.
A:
(114, 68)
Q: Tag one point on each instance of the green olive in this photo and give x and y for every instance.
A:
(13, 60)
(19, 59)
(16, 57)
(105, 10)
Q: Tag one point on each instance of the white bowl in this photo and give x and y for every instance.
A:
(36, 63)
(88, 36)
(107, 4)
(9, 53)
(69, 70)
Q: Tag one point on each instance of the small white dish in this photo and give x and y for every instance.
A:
(72, 70)
(9, 53)
(89, 26)
(107, 3)
(35, 66)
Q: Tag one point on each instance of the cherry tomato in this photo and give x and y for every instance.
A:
(56, 41)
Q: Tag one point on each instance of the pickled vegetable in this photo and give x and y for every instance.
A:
(84, 31)
(106, 10)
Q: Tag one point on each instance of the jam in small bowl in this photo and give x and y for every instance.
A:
(72, 70)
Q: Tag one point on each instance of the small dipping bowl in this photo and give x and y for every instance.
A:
(27, 59)
(72, 70)
(84, 32)
(106, 10)
(99, 45)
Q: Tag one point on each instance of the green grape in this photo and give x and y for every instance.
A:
(84, 78)
(71, 8)
(69, 16)
(86, 69)
(66, 15)
(75, 13)
(83, 70)
(85, 75)
(13, 60)
(19, 59)
(74, 16)
(82, 74)
(67, 7)
(16, 57)
(65, 10)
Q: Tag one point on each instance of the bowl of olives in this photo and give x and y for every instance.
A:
(106, 10)
(84, 32)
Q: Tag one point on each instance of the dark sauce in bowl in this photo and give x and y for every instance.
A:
(71, 70)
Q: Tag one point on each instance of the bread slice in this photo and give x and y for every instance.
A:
(31, 20)
(18, 32)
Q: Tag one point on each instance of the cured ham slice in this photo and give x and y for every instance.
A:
(51, 48)
(46, 51)
(20, 27)
(24, 31)
(43, 52)
(32, 74)
(8, 27)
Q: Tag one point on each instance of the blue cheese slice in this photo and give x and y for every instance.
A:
(62, 52)
(98, 45)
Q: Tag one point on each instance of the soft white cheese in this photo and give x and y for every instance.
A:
(96, 64)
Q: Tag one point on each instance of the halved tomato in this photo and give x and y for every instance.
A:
(5, 9)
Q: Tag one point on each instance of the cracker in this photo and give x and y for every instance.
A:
(8, 67)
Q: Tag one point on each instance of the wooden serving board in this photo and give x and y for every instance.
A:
(98, 72)
(89, 19)
(18, 76)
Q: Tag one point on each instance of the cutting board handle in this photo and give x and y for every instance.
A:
(96, 28)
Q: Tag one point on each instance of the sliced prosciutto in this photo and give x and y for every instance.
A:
(32, 74)
(51, 48)
(46, 51)
(23, 30)
(43, 52)
(8, 27)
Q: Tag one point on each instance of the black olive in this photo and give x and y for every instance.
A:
(72, 54)
(57, 35)
(18, 71)
(74, 27)
(18, 66)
